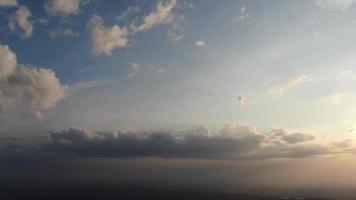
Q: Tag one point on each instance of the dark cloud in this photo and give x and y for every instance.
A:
(233, 141)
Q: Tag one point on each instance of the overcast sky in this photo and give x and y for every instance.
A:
(228, 81)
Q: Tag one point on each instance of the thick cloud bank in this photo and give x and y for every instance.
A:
(26, 85)
(233, 141)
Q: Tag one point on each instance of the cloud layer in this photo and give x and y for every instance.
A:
(233, 141)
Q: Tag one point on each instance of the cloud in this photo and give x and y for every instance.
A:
(20, 20)
(67, 32)
(24, 84)
(130, 10)
(5, 3)
(334, 4)
(280, 136)
(293, 82)
(200, 44)
(242, 100)
(106, 39)
(134, 69)
(243, 15)
(233, 141)
(87, 84)
(64, 8)
(8, 62)
(162, 15)
(335, 98)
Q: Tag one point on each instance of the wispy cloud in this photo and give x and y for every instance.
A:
(243, 15)
(87, 85)
(335, 98)
(334, 4)
(67, 32)
(293, 82)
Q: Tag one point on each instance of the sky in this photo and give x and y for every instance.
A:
(232, 84)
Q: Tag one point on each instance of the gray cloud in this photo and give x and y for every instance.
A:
(233, 141)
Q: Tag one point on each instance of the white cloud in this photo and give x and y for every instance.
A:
(162, 15)
(63, 8)
(334, 4)
(243, 15)
(4, 3)
(67, 32)
(106, 39)
(8, 62)
(20, 20)
(335, 98)
(293, 82)
(200, 43)
(135, 69)
(38, 88)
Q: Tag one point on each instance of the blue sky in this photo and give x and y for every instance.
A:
(202, 63)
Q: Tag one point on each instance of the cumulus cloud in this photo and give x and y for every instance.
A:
(20, 20)
(200, 44)
(64, 8)
(67, 32)
(293, 82)
(5, 3)
(162, 15)
(233, 141)
(23, 84)
(106, 39)
(243, 15)
(335, 98)
(334, 4)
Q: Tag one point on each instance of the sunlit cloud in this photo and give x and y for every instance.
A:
(293, 82)
(64, 8)
(36, 87)
(162, 15)
(106, 39)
